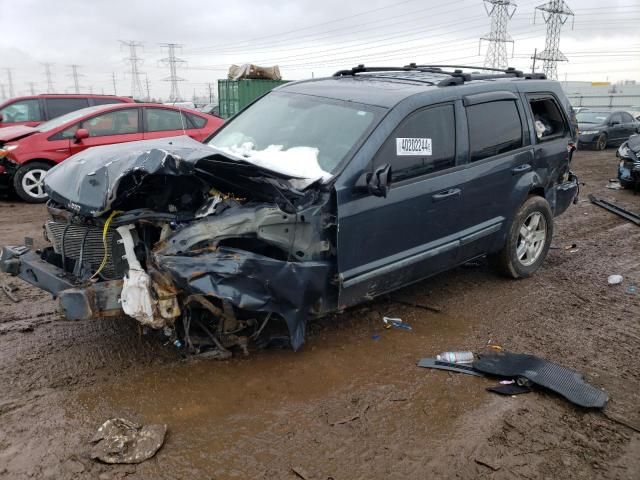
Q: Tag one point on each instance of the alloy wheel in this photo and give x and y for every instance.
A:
(531, 239)
(33, 183)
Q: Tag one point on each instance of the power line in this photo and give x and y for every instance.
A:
(76, 77)
(48, 76)
(172, 62)
(10, 81)
(500, 12)
(134, 61)
(555, 14)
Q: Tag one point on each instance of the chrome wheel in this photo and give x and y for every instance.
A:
(531, 239)
(33, 183)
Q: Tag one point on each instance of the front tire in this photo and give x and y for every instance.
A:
(528, 240)
(601, 143)
(28, 182)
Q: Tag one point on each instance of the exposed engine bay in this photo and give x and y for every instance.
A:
(187, 241)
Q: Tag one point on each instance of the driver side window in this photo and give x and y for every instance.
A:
(425, 142)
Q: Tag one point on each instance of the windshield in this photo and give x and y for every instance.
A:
(298, 135)
(592, 117)
(67, 117)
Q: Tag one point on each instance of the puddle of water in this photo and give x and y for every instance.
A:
(209, 405)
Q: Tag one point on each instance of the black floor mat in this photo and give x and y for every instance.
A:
(561, 380)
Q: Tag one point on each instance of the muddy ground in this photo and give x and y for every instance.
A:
(348, 405)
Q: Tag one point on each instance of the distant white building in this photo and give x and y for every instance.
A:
(624, 94)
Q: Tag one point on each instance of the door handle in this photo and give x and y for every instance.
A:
(524, 168)
(451, 193)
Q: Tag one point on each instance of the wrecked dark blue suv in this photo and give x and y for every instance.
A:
(320, 195)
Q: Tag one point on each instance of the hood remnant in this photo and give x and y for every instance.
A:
(100, 179)
(121, 441)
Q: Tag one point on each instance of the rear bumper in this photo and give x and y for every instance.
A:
(77, 301)
(566, 193)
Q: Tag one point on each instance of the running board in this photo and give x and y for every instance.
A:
(612, 207)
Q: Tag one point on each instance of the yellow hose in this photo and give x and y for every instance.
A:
(104, 243)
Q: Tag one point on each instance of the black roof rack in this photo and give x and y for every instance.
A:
(456, 77)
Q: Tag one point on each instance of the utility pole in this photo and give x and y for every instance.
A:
(146, 81)
(555, 14)
(32, 88)
(10, 82)
(500, 12)
(76, 77)
(172, 62)
(533, 67)
(134, 62)
(48, 76)
(210, 88)
(91, 89)
(113, 79)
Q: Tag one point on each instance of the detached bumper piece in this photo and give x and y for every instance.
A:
(77, 302)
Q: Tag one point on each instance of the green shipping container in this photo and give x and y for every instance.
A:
(234, 95)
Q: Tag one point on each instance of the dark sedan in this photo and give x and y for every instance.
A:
(602, 128)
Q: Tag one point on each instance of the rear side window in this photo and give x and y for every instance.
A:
(425, 142)
(22, 111)
(548, 120)
(494, 128)
(161, 119)
(60, 106)
(196, 120)
(626, 118)
(106, 101)
(616, 118)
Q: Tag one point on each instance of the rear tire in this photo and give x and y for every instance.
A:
(28, 182)
(528, 240)
(601, 143)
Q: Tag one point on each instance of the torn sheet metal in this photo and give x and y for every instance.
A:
(254, 282)
(102, 178)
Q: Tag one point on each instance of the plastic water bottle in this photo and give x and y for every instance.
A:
(455, 357)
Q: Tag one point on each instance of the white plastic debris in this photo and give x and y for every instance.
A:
(615, 279)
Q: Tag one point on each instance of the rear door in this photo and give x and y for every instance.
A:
(629, 123)
(116, 126)
(57, 106)
(165, 122)
(500, 157)
(384, 243)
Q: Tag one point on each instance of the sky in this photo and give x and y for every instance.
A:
(304, 37)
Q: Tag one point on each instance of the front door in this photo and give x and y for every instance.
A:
(384, 243)
(116, 126)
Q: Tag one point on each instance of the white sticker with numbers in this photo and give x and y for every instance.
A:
(413, 146)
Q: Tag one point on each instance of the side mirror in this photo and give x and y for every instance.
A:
(81, 134)
(376, 183)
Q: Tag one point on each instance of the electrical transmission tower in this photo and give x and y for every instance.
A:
(48, 76)
(10, 82)
(146, 81)
(500, 12)
(76, 77)
(134, 62)
(555, 14)
(113, 79)
(172, 62)
(3, 93)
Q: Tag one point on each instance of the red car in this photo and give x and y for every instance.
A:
(26, 153)
(34, 109)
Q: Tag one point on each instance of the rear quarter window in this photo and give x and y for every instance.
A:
(196, 120)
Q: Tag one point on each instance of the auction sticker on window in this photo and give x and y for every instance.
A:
(413, 146)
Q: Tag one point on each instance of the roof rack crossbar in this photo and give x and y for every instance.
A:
(510, 70)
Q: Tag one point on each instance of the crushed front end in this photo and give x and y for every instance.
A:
(207, 249)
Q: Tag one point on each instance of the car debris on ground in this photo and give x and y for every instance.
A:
(528, 370)
(617, 209)
(121, 441)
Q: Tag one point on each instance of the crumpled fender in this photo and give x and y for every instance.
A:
(254, 282)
